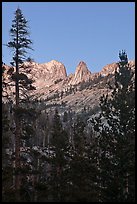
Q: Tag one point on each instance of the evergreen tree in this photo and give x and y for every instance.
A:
(115, 130)
(65, 117)
(82, 174)
(79, 135)
(59, 144)
(19, 43)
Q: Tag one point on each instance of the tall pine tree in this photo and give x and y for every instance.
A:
(19, 44)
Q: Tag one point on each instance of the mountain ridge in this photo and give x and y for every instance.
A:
(73, 91)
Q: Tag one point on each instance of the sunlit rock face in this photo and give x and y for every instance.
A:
(82, 73)
(48, 73)
(76, 91)
(109, 69)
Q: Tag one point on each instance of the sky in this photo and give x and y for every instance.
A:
(70, 32)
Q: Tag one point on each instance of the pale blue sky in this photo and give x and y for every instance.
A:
(71, 32)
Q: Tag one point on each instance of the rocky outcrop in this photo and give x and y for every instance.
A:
(109, 69)
(81, 74)
(56, 70)
(46, 74)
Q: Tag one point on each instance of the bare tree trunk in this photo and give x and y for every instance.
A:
(17, 152)
(127, 185)
(44, 138)
(127, 191)
(17, 135)
(17, 146)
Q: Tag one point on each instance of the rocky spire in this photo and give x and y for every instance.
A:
(81, 74)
